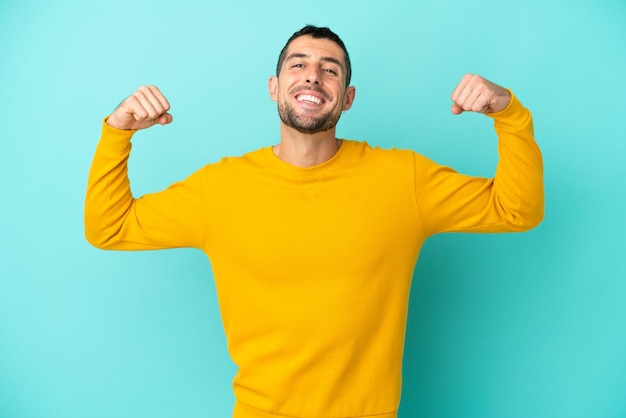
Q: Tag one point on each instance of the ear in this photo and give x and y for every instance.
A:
(273, 88)
(348, 98)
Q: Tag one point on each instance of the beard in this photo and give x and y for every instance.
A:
(305, 124)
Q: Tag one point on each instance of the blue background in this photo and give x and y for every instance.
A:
(526, 325)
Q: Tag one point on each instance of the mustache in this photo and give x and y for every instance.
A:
(314, 88)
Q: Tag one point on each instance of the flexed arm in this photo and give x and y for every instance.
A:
(114, 219)
(513, 199)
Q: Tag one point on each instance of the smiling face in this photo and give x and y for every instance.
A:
(310, 90)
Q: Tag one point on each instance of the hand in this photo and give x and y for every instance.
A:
(475, 94)
(144, 108)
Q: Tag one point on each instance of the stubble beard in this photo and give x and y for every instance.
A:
(307, 125)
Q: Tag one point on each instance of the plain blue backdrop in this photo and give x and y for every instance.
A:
(526, 325)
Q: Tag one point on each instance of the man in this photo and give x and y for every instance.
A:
(313, 242)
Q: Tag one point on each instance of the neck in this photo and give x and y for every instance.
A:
(306, 150)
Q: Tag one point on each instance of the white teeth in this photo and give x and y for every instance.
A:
(309, 98)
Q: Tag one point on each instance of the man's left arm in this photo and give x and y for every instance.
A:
(511, 201)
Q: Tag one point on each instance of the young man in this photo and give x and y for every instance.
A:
(313, 242)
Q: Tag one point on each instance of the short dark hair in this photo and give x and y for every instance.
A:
(317, 33)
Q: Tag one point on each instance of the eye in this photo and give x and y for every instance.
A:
(330, 71)
(297, 65)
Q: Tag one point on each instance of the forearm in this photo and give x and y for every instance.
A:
(109, 200)
(518, 183)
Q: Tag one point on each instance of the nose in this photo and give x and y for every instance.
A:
(313, 80)
(314, 77)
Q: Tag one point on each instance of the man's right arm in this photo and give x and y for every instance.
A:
(114, 219)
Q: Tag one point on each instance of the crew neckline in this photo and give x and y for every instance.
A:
(293, 171)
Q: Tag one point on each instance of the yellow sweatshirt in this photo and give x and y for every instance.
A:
(313, 265)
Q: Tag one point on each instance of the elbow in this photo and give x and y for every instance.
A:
(521, 217)
(99, 229)
(93, 234)
(95, 239)
(530, 218)
(533, 220)
(536, 211)
(98, 237)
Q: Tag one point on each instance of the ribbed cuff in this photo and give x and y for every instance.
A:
(512, 117)
(114, 142)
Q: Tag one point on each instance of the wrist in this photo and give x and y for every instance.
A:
(112, 122)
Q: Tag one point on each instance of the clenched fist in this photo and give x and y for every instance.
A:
(144, 108)
(475, 94)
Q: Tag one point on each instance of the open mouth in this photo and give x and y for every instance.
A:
(308, 98)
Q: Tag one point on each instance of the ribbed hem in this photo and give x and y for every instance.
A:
(244, 411)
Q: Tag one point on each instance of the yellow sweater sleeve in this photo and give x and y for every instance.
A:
(511, 201)
(114, 219)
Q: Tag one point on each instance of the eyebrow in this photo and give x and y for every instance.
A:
(325, 59)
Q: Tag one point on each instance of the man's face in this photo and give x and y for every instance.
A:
(310, 89)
